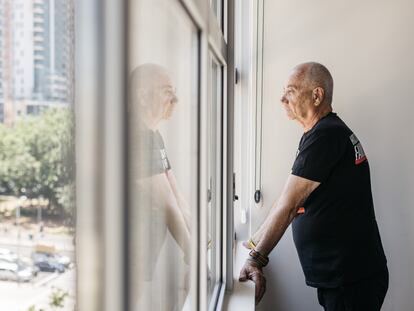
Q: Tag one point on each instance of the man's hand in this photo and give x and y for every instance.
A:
(253, 271)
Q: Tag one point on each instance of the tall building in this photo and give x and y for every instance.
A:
(37, 60)
(2, 44)
(62, 47)
(5, 56)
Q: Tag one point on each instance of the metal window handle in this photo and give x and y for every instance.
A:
(235, 196)
(257, 196)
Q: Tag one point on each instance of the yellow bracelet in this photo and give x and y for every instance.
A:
(252, 245)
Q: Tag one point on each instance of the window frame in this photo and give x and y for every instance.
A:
(215, 132)
(248, 98)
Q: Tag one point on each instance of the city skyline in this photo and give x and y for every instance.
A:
(37, 56)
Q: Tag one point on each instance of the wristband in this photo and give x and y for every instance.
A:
(259, 258)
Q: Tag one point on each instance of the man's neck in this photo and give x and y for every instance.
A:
(151, 123)
(314, 118)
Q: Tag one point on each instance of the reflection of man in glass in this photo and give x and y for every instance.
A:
(158, 205)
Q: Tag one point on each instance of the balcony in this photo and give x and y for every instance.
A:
(39, 57)
(38, 48)
(38, 38)
(38, 10)
(38, 19)
(39, 29)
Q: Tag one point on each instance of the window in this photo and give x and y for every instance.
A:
(249, 32)
(37, 201)
(215, 173)
(170, 54)
(176, 169)
(163, 154)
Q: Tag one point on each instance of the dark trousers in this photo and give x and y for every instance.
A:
(365, 295)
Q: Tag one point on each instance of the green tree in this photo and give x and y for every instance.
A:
(37, 158)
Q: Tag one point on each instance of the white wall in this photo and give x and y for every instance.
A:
(368, 46)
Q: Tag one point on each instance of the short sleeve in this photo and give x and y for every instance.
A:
(318, 156)
(163, 157)
(151, 156)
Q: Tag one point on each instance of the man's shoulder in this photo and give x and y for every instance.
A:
(332, 126)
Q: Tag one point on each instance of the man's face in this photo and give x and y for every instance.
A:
(296, 97)
(169, 101)
(166, 98)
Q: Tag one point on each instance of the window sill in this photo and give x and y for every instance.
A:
(241, 298)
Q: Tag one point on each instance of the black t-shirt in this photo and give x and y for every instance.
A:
(337, 236)
(150, 154)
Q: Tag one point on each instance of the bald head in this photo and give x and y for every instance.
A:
(316, 75)
(151, 92)
(147, 77)
(147, 80)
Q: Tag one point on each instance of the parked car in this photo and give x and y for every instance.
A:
(52, 254)
(47, 263)
(28, 263)
(23, 263)
(7, 254)
(13, 272)
(64, 260)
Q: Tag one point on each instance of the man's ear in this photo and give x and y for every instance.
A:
(318, 95)
(142, 97)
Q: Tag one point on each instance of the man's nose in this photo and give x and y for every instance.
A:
(283, 99)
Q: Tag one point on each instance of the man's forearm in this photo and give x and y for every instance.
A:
(275, 226)
(182, 203)
(176, 225)
(296, 191)
(256, 237)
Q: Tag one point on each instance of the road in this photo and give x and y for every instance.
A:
(19, 297)
(62, 242)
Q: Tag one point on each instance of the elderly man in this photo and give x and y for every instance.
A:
(328, 199)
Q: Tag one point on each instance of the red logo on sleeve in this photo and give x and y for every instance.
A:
(359, 151)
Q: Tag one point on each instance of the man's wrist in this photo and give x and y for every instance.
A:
(260, 259)
(254, 263)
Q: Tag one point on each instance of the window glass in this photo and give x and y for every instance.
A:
(163, 154)
(214, 180)
(37, 187)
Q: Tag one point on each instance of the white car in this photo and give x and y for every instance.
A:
(64, 260)
(13, 272)
(6, 254)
